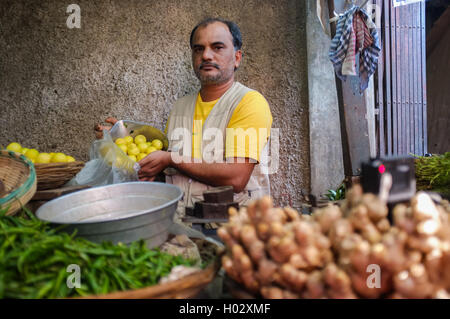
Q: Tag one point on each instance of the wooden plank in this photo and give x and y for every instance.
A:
(438, 31)
(370, 98)
(213, 210)
(438, 104)
(53, 193)
(354, 110)
(196, 220)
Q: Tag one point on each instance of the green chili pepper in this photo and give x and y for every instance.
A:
(58, 283)
(45, 289)
(34, 257)
(105, 285)
(93, 283)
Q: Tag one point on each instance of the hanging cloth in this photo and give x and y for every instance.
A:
(355, 47)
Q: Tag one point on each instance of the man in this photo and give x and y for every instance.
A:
(223, 106)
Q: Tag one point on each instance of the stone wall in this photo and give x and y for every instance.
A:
(131, 59)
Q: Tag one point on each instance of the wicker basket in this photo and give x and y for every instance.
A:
(54, 175)
(186, 287)
(18, 177)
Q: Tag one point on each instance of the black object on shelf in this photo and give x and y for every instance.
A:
(403, 181)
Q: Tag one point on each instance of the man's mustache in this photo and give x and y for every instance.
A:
(209, 64)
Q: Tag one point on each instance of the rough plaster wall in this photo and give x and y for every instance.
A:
(131, 60)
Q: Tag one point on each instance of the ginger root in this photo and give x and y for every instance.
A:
(278, 253)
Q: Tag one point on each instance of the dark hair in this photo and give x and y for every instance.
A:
(234, 30)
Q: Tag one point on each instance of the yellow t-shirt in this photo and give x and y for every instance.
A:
(247, 130)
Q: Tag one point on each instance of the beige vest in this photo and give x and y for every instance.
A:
(182, 117)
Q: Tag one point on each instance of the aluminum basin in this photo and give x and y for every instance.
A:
(123, 212)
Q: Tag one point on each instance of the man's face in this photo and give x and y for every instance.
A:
(213, 55)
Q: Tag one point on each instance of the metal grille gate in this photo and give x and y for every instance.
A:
(401, 81)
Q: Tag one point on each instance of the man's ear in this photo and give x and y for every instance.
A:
(238, 56)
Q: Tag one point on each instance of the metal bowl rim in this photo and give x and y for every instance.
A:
(161, 207)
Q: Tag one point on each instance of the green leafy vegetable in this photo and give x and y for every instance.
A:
(337, 194)
(433, 172)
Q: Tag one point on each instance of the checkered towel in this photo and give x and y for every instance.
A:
(356, 35)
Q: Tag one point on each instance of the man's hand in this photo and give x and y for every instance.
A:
(235, 173)
(98, 128)
(153, 164)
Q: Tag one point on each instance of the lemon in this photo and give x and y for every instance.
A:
(140, 139)
(43, 158)
(140, 156)
(120, 141)
(32, 153)
(123, 147)
(132, 157)
(119, 162)
(157, 144)
(143, 147)
(24, 150)
(107, 153)
(104, 150)
(128, 139)
(70, 159)
(33, 160)
(133, 151)
(131, 145)
(151, 149)
(52, 154)
(59, 158)
(15, 147)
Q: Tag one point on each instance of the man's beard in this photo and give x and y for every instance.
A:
(219, 78)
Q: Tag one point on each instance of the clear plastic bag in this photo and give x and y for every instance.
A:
(108, 164)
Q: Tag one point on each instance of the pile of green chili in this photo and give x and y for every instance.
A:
(34, 260)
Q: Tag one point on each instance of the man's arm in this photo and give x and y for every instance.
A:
(217, 174)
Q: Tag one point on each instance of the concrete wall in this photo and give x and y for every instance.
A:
(327, 171)
(131, 59)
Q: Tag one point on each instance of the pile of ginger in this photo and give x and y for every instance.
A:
(351, 251)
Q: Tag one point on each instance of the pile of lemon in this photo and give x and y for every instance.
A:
(137, 148)
(40, 158)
